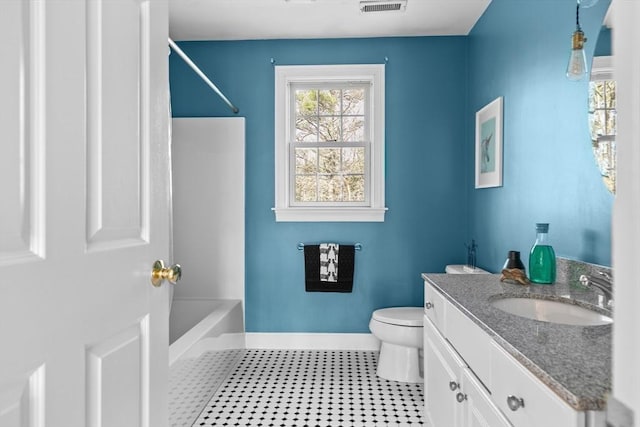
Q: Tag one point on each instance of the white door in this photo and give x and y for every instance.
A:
(626, 211)
(84, 212)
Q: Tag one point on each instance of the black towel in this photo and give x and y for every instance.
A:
(312, 281)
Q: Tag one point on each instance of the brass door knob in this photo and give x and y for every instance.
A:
(160, 273)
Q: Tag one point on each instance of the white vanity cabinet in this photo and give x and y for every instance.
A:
(454, 396)
(471, 381)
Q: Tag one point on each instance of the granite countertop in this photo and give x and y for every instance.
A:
(574, 361)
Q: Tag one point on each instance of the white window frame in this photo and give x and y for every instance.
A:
(285, 208)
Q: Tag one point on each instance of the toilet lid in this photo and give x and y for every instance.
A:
(403, 316)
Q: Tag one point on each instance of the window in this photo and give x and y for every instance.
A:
(328, 149)
(602, 118)
(329, 143)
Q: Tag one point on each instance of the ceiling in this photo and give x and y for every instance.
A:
(295, 19)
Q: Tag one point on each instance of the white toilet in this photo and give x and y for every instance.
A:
(399, 330)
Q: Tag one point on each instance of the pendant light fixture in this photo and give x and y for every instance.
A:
(577, 68)
(587, 3)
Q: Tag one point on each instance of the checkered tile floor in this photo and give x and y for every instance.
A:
(192, 383)
(302, 388)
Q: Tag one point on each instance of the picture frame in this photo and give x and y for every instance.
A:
(489, 145)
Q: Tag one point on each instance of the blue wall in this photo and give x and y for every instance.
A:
(603, 45)
(519, 50)
(425, 227)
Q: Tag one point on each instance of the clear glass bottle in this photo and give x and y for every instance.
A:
(542, 258)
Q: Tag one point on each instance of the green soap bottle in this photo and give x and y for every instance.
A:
(542, 258)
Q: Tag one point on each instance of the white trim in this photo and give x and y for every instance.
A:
(602, 68)
(230, 341)
(323, 214)
(284, 77)
(311, 341)
(205, 327)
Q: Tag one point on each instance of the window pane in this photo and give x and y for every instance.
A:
(354, 188)
(597, 94)
(330, 188)
(592, 100)
(353, 160)
(353, 129)
(329, 129)
(353, 102)
(596, 123)
(306, 160)
(611, 93)
(611, 122)
(306, 188)
(306, 102)
(329, 102)
(306, 129)
(329, 160)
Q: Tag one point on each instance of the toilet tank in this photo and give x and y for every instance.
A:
(464, 269)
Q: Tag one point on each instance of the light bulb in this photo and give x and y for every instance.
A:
(577, 67)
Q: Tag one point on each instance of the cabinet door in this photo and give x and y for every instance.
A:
(442, 368)
(479, 409)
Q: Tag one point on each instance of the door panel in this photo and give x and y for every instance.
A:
(116, 368)
(117, 143)
(20, 236)
(22, 400)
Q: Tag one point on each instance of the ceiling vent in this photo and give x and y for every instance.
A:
(382, 6)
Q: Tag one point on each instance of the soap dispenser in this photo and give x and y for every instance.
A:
(542, 259)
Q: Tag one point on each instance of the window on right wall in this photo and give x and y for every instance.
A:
(602, 118)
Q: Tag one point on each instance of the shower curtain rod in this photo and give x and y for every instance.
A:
(202, 75)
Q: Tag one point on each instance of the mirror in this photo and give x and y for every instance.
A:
(602, 107)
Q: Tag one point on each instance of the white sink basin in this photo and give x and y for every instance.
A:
(551, 311)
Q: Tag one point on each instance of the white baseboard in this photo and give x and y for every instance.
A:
(311, 341)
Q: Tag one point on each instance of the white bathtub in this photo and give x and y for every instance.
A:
(197, 325)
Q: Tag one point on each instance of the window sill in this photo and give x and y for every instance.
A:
(330, 214)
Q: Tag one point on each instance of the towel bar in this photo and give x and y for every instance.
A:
(357, 246)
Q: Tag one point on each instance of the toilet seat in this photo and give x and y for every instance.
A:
(401, 316)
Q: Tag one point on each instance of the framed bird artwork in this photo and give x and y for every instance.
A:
(489, 145)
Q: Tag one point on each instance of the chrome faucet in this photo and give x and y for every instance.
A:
(602, 281)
